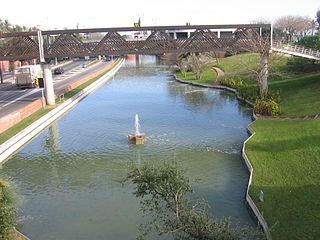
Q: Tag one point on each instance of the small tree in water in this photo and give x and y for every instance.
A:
(163, 192)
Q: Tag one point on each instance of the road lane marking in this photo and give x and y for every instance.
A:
(23, 96)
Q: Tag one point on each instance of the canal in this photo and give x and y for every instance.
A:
(69, 177)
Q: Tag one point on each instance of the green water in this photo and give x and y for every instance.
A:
(69, 177)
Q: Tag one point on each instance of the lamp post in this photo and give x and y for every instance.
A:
(1, 74)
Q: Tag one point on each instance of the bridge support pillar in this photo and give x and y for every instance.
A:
(48, 84)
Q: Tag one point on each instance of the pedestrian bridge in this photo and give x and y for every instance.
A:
(296, 50)
(115, 41)
(157, 40)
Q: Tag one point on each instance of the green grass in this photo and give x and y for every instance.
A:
(238, 66)
(208, 76)
(300, 95)
(23, 124)
(286, 159)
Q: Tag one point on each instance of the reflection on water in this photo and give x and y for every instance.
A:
(70, 175)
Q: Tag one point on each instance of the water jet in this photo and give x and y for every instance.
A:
(137, 137)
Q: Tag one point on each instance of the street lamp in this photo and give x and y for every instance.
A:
(1, 73)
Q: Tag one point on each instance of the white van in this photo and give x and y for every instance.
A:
(28, 76)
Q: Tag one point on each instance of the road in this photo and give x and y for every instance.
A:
(12, 98)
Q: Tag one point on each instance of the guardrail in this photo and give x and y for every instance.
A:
(296, 50)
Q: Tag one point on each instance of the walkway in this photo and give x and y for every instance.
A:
(296, 50)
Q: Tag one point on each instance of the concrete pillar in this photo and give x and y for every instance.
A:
(48, 84)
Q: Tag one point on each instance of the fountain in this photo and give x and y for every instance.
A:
(137, 137)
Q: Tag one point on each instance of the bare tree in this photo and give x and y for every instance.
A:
(251, 41)
(183, 66)
(318, 18)
(198, 64)
(294, 26)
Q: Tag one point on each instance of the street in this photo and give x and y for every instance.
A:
(12, 98)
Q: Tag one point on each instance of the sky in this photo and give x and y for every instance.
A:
(61, 14)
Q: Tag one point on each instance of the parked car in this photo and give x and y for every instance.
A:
(58, 70)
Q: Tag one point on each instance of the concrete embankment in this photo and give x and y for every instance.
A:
(17, 141)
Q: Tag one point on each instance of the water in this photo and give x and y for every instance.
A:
(137, 125)
(69, 177)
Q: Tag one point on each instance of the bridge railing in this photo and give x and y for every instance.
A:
(296, 48)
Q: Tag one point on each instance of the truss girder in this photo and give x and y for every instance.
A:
(73, 44)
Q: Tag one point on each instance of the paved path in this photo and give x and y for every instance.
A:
(220, 73)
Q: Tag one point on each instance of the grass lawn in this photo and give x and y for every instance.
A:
(300, 95)
(208, 76)
(23, 124)
(286, 160)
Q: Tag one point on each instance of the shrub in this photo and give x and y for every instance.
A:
(232, 82)
(266, 107)
(250, 93)
(7, 212)
(310, 42)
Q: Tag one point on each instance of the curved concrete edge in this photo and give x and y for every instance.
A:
(16, 142)
(249, 200)
(19, 235)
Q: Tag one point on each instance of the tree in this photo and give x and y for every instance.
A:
(163, 192)
(251, 41)
(294, 26)
(318, 19)
(197, 64)
(183, 66)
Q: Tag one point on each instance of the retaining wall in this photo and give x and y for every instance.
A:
(12, 119)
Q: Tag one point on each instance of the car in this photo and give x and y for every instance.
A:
(108, 58)
(84, 65)
(58, 70)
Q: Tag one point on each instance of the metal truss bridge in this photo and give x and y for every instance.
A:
(115, 41)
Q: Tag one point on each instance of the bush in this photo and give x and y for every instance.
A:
(310, 42)
(250, 93)
(7, 212)
(232, 82)
(266, 107)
